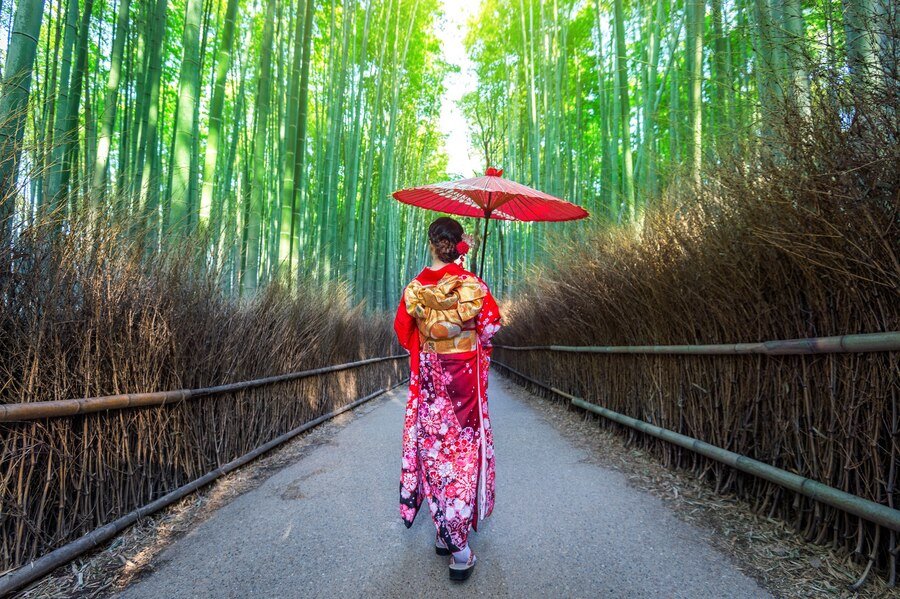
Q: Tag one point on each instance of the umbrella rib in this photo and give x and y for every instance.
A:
(525, 206)
(442, 202)
(450, 201)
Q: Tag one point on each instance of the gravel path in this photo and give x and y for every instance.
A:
(328, 526)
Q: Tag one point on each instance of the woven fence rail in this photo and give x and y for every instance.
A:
(69, 407)
(841, 344)
(808, 430)
(76, 472)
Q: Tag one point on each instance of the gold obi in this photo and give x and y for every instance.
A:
(445, 313)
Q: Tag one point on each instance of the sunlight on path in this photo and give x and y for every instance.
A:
(328, 526)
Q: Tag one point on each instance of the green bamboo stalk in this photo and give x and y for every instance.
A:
(182, 188)
(260, 137)
(61, 132)
(210, 205)
(111, 100)
(14, 99)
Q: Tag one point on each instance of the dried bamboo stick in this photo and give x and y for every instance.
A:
(842, 344)
(68, 407)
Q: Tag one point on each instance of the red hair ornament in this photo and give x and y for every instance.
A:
(462, 247)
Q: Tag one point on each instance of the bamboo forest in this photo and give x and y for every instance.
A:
(276, 131)
(216, 233)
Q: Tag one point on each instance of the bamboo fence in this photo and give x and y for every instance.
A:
(781, 404)
(650, 419)
(30, 572)
(74, 466)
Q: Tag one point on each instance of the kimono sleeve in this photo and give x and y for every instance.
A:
(488, 322)
(404, 325)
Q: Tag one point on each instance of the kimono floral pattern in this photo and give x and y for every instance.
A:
(447, 446)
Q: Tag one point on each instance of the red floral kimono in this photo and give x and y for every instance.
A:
(445, 320)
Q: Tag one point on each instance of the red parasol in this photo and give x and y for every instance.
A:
(489, 197)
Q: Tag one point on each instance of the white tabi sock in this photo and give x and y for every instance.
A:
(462, 556)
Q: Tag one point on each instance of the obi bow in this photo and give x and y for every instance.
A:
(442, 309)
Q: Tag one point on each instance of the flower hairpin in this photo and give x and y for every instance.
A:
(462, 247)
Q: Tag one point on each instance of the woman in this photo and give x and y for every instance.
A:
(445, 320)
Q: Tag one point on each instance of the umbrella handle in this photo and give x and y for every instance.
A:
(487, 219)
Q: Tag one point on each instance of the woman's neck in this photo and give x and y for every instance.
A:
(438, 264)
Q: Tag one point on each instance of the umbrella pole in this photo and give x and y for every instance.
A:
(487, 219)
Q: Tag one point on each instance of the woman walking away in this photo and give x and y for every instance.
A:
(445, 320)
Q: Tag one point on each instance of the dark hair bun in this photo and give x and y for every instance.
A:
(444, 233)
